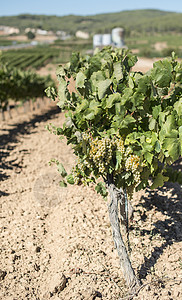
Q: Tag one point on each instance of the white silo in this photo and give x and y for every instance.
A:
(106, 39)
(118, 37)
(97, 40)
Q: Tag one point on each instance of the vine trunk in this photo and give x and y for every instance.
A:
(117, 196)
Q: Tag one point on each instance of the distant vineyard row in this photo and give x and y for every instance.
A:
(38, 57)
(20, 86)
(34, 58)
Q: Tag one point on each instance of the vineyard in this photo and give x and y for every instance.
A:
(118, 137)
(30, 58)
(37, 57)
(18, 87)
(155, 45)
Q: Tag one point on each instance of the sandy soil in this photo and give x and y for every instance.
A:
(56, 243)
(144, 64)
(160, 46)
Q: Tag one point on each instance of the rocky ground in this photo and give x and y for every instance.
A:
(57, 244)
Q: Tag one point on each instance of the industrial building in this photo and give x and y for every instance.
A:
(116, 38)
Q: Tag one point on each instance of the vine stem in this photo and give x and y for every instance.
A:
(128, 272)
(2, 114)
(169, 93)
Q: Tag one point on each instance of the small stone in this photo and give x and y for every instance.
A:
(91, 294)
(57, 283)
(11, 269)
(55, 298)
(16, 257)
(176, 294)
(37, 250)
(135, 241)
(2, 275)
(36, 267)
(46, 296)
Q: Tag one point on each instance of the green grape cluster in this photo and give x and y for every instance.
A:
(101, 155)
(120, 145)
(132, 164)
(86, 136)
(78, 172)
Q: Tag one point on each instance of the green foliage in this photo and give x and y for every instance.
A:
(30, 35)
(40, 55)
(147, 44)
(21, 85)
(33, 58)
(120, 123)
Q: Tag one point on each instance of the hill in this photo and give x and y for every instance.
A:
(140, 21)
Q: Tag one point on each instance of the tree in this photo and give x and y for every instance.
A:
(125, 129)
(30, 35)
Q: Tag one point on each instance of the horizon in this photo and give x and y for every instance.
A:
(61, 8)
(104, 13)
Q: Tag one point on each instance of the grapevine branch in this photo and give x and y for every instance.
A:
(169, 93)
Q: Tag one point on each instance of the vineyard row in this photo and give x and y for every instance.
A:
(21, 86)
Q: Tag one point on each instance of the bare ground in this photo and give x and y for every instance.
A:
(56, 243)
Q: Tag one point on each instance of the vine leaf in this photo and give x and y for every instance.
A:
(101, 189)
(162, 73)
(80, 80)
(112, 99)
(159, 181)
(62, 184)
(118, 73)
(70, 179)
(103, 87)
(61, 170)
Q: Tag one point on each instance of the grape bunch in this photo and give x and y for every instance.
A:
(101, 154)
(79, 172)
(132, 164)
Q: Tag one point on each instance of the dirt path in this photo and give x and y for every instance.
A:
(144, 64)
(56, 243)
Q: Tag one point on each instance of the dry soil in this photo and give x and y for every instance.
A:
(56, 243)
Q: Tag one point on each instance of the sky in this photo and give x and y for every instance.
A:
(83, 7)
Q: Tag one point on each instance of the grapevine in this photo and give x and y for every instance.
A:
(125, 127)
